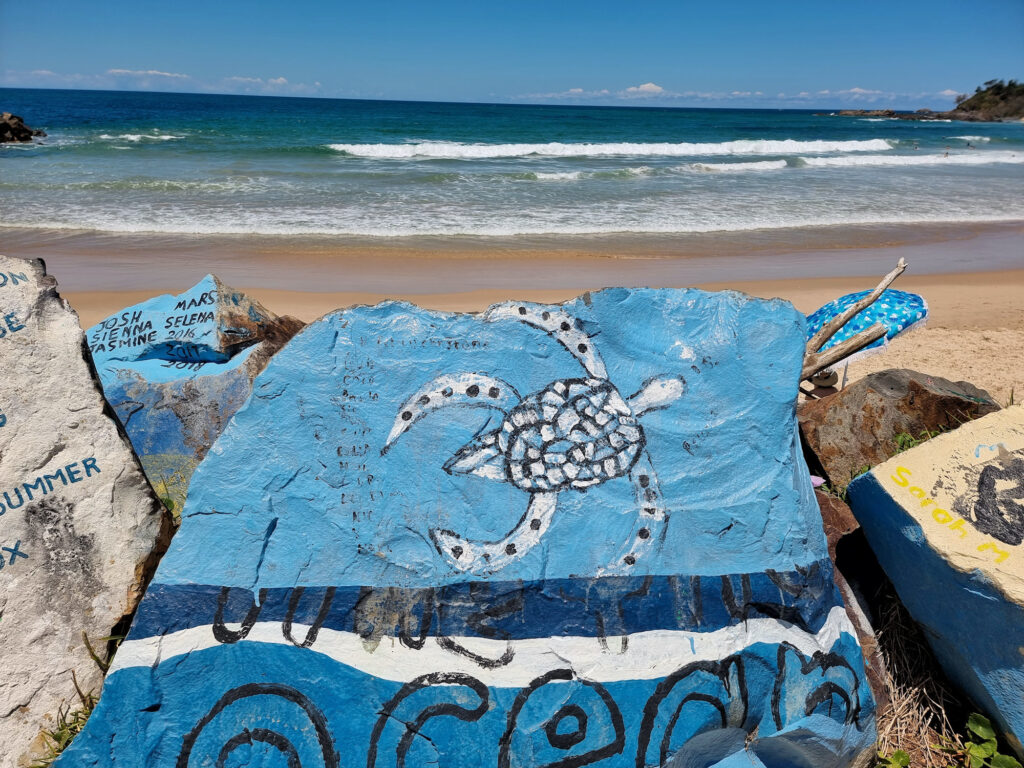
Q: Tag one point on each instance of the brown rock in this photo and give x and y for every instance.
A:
(839, 522)
(856, 428)
(13, 129)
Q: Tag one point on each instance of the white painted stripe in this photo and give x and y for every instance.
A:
(648, 656)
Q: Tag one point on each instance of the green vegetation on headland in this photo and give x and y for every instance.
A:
(995, 101)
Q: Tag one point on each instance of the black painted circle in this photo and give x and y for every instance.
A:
(582, 348)
(630, 560)
(522, 310)
(546, 315)
(565, 326)
(493, 392)
(424, 400)
(644, 533)
(447, 392)
(644, 481)
(510, 549)
(472, 390)
(456, 552)
(567, 739)
(535, 524)
(406, 415)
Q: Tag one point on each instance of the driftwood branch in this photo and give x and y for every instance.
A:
(819, 361)
(832, 327)
(815, 361)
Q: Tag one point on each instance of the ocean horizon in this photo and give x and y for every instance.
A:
(143, 162)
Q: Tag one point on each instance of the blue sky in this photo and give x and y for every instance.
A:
(905, 54)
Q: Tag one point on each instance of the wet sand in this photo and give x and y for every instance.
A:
(971, 275)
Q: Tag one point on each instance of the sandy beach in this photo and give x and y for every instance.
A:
(972, 277)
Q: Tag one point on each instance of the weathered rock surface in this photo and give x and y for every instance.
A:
(176, 368)
(13, 129)
(839, 522)
(79, 526)
(946, 521)
(542, 535)
(856, 428)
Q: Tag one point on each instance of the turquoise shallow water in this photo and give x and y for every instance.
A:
(188, 163)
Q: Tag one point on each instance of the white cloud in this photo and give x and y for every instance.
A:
(146, 73)
(860, 91)
(155, 80)
(643, 90)
(949, 92)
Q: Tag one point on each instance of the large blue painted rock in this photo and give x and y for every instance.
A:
(543, 535)
(80, 529)
(176, 368)
(946, 520)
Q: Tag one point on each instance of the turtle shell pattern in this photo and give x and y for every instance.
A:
(574, 433)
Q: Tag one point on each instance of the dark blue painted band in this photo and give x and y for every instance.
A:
(594, 607)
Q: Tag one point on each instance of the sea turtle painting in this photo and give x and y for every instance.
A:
(572, 435)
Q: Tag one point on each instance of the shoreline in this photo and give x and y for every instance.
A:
(93, 261)
(971, 275)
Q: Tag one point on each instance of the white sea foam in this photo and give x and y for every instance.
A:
(559, 176)
(137, 137)
(657, 222)
(971, 138)
(757, 165)
(962, 158)
(447, 150)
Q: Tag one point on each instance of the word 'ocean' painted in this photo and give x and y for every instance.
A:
(946, 520)
(175, 369)
(540, 536)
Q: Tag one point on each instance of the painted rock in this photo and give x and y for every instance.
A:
(542, 535)
(176, 368)
(856, 428)
(80, 528)
(946, 520)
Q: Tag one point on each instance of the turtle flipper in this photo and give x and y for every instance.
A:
(558, 324)
(657, 392)
(480, 456)
(473, 390)
(464, 555)
(652, 516)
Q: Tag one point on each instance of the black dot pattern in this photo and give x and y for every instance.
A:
(472, 390)
(406, 415)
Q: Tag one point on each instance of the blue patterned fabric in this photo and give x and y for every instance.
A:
(897, 310)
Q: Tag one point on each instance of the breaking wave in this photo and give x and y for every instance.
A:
(968, 158)
(445, 150)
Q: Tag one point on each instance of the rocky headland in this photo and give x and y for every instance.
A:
(997, 101)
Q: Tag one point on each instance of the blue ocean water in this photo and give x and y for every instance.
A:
(190, 163)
